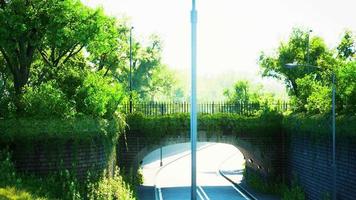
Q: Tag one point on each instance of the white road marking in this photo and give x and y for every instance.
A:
(242, 194)
(160, 194)
(202, 191)
(199, 194)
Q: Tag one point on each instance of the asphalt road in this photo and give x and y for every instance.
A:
(172, 180)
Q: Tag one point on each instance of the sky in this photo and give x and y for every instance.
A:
(231, 33)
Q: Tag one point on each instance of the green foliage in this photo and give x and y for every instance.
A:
(29, 129)
(109, 48)
(61, 185)
(313, 96)
(259, 184)
(295, 51)
(98, 96)
(22, 27)
(346, 88)
(46, 100)
(111, 188)
(154, 127)
(71, 26)
(294, 193)
(347, 48)
(310, 83)
(319, 126)
(242, 92)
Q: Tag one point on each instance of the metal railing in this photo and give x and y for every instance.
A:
(164, 108)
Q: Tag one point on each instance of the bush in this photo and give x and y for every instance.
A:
(46, 100)
(319, 126)
(98, 96)
(61, 185)
(154, 127)
(82, 128)
(294, 193)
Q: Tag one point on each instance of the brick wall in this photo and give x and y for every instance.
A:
(310, 161)
(43, 157)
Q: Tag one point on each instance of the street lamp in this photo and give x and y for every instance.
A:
(130, 77)
(193, 112)
(293, 65)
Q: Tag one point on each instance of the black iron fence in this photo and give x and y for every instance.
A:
(164, 108)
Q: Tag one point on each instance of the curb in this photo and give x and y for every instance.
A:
(238, 186)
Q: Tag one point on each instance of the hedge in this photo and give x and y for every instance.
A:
(320, 126)
(30, 129)
(265, 124)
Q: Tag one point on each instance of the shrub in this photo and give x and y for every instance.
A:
(319, 126)
(294, 193)
(82, 128)
(154, 127)
(98, 96)
(61, 185)
(46, 100)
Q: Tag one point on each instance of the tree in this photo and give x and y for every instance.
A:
(295, 50)
(23, 25)
(72, 26)
(347, 48)
(147, 70)
(243, 92)
(310, 87)
(109, 48)
(162, 82)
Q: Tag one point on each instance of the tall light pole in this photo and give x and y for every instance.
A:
(130, 76)
(333, 115)
(334, 136)
(193, 112)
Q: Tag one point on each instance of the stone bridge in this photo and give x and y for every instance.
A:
(264, 155)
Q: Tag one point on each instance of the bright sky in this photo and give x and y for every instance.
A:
(231, 33)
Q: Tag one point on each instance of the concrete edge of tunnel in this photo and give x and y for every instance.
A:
(243, 190)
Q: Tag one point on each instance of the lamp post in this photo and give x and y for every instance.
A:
(333, 114)
(193, 112)
(130, 76)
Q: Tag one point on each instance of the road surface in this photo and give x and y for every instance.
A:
(172, 180)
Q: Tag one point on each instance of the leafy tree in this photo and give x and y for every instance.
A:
(23, 25)
(72, 26)
(149, 76)
(109, 49)
(243, 92)
(46, 100)
(295, 51)
(347, 48)
(316, 95)
(162, 82)
(346, 90)
(310, 87)
(145, 60)
(98, 96)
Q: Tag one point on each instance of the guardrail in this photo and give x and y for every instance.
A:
(164, 108)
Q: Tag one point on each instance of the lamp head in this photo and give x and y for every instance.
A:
(290, 65)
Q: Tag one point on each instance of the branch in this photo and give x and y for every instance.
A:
(44, 56)
(72, 53)
(107, 70)
(2, 4)
(7, 58)
(65, 52)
